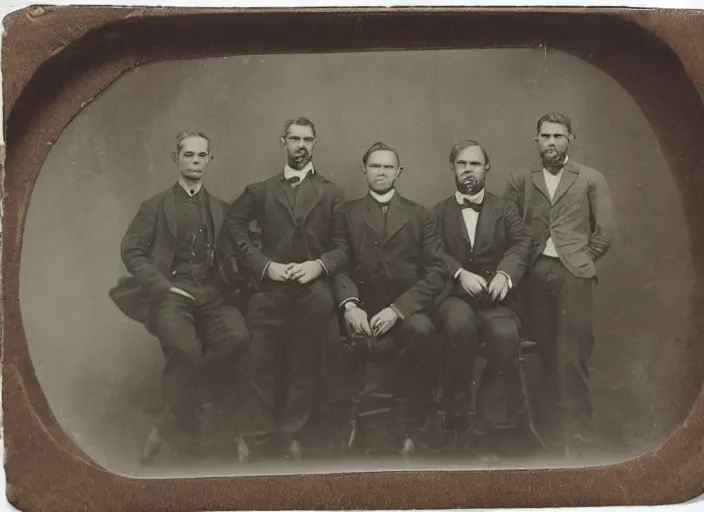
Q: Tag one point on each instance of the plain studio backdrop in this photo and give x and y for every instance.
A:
(100, 369)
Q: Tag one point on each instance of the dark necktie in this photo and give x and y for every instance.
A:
(295, 180)
(384, 207)
(469, 204)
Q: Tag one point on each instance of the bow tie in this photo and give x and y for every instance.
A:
(294, 181)
(469, 204)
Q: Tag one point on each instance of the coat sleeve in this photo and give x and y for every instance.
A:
(343, 287)
(424, 292)
(520, 246)
(604, 229)
(336, 259)
(136, 247)
(242, 212)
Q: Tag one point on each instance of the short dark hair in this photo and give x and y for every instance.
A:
(300, 121)
(380, 146)
(184, 135)
(555, 117)
(461, 146)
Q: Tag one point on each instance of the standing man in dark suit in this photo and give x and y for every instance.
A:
(487, 251)
(395, 274)
(303, 245)
(178, 291)
(568, 213)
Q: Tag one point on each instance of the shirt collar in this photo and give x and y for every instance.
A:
(189, 188)
(477, 198)
(382, 198)
(290, 172)
(561, 169)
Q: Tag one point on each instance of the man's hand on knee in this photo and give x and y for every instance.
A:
(357, 320)
(279, 271)
(473, 284)
(498, 288)
(306, 272)
(383, 321)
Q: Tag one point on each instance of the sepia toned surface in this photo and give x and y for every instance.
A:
(116, 153)
(592, 162)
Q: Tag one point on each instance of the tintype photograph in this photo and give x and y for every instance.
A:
(360, 261)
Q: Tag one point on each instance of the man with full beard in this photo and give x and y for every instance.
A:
(568, 213)
(395, 275)
(487, 251)
(303, 245)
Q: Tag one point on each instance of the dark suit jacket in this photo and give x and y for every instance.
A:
(500, 241)
(148, 249)
(317, 221)
(403, 268)
(579, 219)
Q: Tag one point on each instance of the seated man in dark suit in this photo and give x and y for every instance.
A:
(486, 251)
(178, 290)
(395, 274)
(303, 245)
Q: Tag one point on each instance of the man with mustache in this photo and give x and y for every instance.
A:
(487, 251)
(568, 213)
(395, 274)
(303, 245)
(179, 290)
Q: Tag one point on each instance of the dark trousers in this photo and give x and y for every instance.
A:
(412, 361)
(289, 325)
(561, 322)
(202, 340)
(463, 327)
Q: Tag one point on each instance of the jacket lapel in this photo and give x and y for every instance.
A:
(373, 216)
(396, 217)
(539, 180)
(170, 210)
(456, 212)
(458, 235)
(569, 176)
(308, 196)
(488, 216)
(281, 196)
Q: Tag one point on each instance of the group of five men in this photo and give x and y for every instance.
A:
(429, 285)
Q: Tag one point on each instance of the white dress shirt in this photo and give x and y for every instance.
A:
(290, 172)
(383, 198)
(552, 181)
(470, 221)
(470, 216)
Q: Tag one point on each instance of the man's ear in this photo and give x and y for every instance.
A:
(400, 171)
(283, 141)
(174, 156)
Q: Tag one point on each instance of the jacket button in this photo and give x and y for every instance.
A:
(173, 273)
